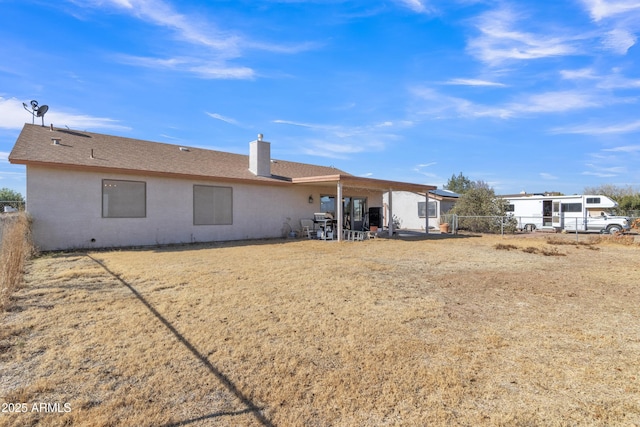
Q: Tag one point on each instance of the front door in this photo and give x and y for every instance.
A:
(546, 213)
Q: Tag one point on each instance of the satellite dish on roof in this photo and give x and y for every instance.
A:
(36, 111)
(42, 110)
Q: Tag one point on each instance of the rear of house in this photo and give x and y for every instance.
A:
(88, 190)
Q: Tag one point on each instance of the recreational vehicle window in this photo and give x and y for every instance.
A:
(593, 200)
(572, 207)
(511, 208)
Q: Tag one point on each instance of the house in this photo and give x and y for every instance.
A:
(90, 190)
(410, 209)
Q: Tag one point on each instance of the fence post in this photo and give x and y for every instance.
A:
(502, 226)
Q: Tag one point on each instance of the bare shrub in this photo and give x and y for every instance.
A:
(501, 246)
(621, 239)
(530, 250)
(15, 249)
(562, 241)
(552, 252)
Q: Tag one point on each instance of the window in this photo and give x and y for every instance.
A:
(432, 209)
(327, 204)
(511, 208)
(124, 199)
(212, 205)
(593, 200)
(572, 207)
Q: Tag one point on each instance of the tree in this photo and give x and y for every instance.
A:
(8, 195)
(459, 184)
(487, 211)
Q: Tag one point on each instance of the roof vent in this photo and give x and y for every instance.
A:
(184, 149)
(56, 141)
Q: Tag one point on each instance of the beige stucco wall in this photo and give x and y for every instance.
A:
(67, 210)
(405, 208)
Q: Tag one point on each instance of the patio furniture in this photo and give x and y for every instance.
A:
(354, 235)
(309, 228)
(326, 225)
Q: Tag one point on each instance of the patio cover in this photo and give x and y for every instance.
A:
(349, 181)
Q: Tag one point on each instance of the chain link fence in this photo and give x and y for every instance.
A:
(510, 224)
(8, 206)
(6, 209)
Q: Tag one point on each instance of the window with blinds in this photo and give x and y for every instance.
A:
(124, 199)
(212, 205)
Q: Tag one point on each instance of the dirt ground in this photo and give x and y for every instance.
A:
(445, 330)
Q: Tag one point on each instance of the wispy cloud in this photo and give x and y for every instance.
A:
(619, 21)
(204, 69)
(473, 82)
(501, 39)
(300, 124)
(602, 9)
(547, 102)
(211, 42)
(13, 116)
(618, 40)
(223, 118)
(418, 6)
(604, 172)
(340, 142)
(553, 102)
(601, 81)
(624, 149)
(582, 73)
(188, 28)
(547, 176)
(599, 129)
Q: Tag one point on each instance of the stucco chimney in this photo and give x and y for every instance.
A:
(260, 157)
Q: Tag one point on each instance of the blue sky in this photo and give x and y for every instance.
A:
(525, 95)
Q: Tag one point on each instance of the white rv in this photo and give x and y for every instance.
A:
(571, 213)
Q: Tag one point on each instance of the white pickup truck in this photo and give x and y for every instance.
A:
(606, 223)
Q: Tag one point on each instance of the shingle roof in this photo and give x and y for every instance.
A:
(35, 146)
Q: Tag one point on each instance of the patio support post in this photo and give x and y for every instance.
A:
(426, 220)
(390, 219)
(340, 219)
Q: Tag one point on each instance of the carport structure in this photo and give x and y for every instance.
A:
(345, 181)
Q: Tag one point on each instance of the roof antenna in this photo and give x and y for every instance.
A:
(36, 111)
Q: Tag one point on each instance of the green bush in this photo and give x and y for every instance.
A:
(488, 213)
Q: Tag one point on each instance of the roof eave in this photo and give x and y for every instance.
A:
(362, 182)
(138, 172)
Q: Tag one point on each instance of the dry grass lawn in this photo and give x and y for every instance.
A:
(459, 331)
